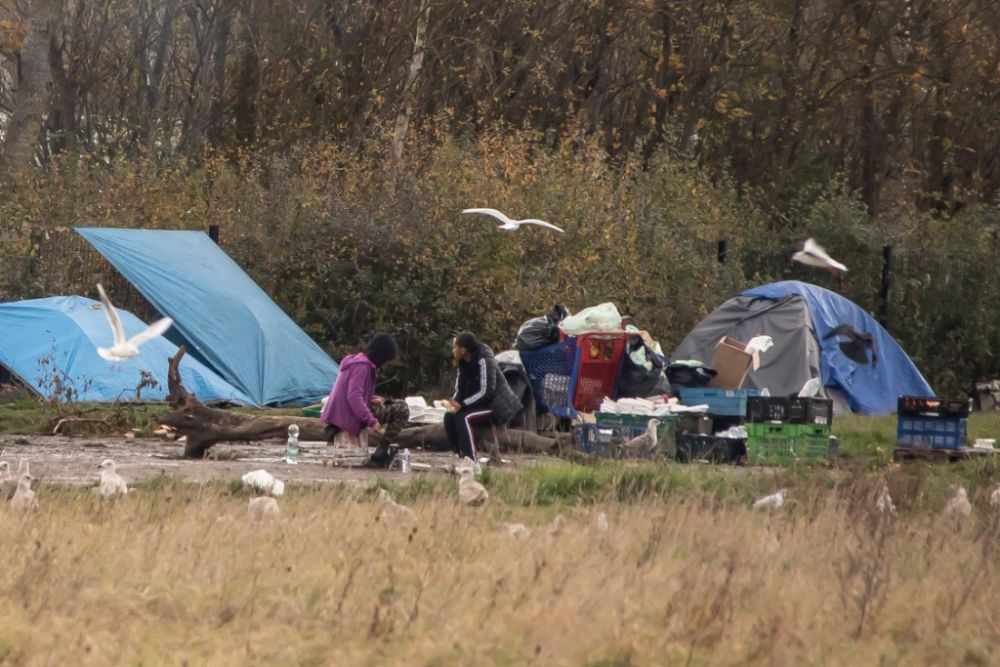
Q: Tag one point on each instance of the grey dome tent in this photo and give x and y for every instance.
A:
(817, 333)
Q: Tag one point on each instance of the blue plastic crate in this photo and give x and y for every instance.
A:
(934, 432)
(721, 402)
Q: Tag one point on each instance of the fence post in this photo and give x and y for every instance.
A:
(883, 292)
(722, 251)
(213, 233)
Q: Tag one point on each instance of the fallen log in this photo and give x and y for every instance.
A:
(205, 426)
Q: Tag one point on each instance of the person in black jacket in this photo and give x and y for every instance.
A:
(482, 395)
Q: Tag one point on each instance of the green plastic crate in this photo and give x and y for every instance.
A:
(666, 433)
(785, 444)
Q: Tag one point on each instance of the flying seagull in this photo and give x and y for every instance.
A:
(508, 224)
(813, 254)
(125, 349)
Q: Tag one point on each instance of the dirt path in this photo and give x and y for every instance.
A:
(61, 460)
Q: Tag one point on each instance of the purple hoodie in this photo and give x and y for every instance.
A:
(347, 408)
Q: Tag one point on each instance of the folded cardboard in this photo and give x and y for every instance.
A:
(732, 363)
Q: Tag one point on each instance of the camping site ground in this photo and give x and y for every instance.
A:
(685, 573)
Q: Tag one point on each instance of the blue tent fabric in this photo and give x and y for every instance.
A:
(57, 338)
(220, 313)
(869, 388)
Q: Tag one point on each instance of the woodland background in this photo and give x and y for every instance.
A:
(335, 141)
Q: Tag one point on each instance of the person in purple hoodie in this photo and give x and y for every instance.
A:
(353, 406)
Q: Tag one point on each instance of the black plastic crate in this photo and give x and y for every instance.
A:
(949, 408)
(790, 410)
(694, 422)
(697, 447)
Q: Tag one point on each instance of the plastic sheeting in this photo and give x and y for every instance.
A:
(803, 319)
(219, 313)
(56, 338)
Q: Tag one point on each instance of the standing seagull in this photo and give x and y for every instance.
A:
(884, 502)
(471, 492)
(813, 254)
(112, 484)
(508, 224)
(958, 506)
(8, 485)
(645, 444)
(24, 498)
(122, 349)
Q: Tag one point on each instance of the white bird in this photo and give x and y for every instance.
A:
(8, 485)
(508, 224)
(112, 484)
(995, 496)
(959, 506)
(601, 522)
(470, 492)
(884, 502)
(121, 348)
(557, 526)
(263, 507)
(264, 482)
(517, 530)
(643, 445)
(393, 511)
(24, 498)
(812, 254)
(773, 501)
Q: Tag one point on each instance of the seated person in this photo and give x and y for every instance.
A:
(353, 411)
(482, 395)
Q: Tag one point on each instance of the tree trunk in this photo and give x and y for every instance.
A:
(33, 86)
(416, 62)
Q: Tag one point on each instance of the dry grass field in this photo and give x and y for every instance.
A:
(686, 573)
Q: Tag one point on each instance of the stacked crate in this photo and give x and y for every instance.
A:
(932, 423)
(726, 407)
(784, 430)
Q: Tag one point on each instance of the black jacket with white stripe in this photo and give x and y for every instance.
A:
(480, 384)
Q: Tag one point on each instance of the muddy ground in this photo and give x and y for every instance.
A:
(63, 460)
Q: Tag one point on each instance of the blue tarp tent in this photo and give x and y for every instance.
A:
(817, 333)
(219, 313)
(45, 340)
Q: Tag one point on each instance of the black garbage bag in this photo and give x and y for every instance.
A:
(541, 331)
(682, 375)
(639, 382)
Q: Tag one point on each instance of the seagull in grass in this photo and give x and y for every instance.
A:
(391, 510)
(643, 445)
(773, 501)
(24, 498)
(884, 502)
(121, 348)
(264, 482)
(958, 506)
(112, 484)
(995, 496)
(470, 492)
(263, 507)
(601, 523)
(508, 224)
(517, 530)
(812, 254)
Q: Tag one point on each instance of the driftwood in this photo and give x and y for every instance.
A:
(205, 426)
(433, 437)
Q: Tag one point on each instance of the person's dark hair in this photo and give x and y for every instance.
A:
(467, 340)
(382, 349)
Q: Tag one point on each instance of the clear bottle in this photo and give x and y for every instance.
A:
(404, 461)
(292, 446)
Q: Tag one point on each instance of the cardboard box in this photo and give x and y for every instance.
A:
(732, 364)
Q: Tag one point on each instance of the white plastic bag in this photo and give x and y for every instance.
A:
(811, 388)
(603, 317)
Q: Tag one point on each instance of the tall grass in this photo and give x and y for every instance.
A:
(177, 574)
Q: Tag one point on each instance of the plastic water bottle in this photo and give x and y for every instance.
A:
(404, 460)
(292, 446)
